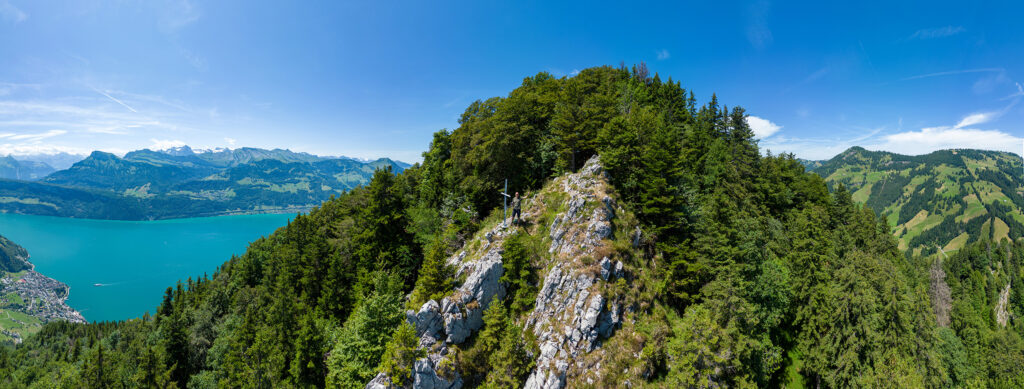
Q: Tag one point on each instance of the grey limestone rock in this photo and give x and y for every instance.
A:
(429, 321)
(425, 376)
(381, 381)
(606, 268)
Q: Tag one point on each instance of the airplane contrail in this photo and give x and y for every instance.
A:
(115, 100)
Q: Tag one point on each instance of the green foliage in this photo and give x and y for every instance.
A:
(512, 362)
(400, 354)
(520, 275)
(434, 281)
(362, 340)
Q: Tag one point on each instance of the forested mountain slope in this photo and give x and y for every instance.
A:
(941, 200)
(149, 184)
(737, 269)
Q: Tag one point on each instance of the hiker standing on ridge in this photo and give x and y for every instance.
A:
(516, 208)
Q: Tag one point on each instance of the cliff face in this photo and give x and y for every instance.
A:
(572, 314)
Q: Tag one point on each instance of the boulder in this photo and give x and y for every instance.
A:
(429, 321)
(425, 377)
(606, 268)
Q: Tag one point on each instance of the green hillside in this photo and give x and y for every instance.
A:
(940, 200)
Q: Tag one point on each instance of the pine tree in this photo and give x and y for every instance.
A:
(400, 354)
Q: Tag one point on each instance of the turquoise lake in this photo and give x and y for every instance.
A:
(135, 261)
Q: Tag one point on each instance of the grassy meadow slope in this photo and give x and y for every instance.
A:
(940, 200)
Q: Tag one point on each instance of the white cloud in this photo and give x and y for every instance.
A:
(817, 148)
(164, 144)
(663, 54)
(10, 13)
(977, 118)
(34, 149)
(231, 141)
(930, 139)
(932, 33)
(762, 128)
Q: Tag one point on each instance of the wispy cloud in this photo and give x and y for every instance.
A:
(34, 137)
(1018, 93)
(953, 72)
(11, 14)
(976, 118)
(178, 14)
(809, 79)
(115, 100)
(663, 54)
(932, 33)
(231, 141)
(757, 27)
(762, 128)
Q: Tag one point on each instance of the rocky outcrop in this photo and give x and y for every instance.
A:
(571, 316)
(1002, 314)
(569, 320)
(942, 300)
(456, 317)
(426, 376)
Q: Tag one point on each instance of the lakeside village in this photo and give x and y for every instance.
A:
(28, 300)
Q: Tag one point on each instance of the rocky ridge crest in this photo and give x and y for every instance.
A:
(571, 316)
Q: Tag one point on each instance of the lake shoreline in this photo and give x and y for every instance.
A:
(281, 211)
(134, 260)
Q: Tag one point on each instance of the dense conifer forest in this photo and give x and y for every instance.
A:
(748, 271)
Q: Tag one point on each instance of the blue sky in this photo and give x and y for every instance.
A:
(372, 79)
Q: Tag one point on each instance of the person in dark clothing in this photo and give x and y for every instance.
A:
(516, 208)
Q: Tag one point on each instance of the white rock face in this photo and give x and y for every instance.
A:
(456, 317)
(570, 316)
(425, 376)
(381, 381)
(463, 312)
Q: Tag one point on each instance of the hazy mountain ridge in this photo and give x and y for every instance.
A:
(12, 168)
(943, 199)
(58, 161)
(148, 184)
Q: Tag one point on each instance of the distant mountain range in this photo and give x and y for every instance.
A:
(937, 201)
(23, 170)
(58, 161)
(181, 182)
